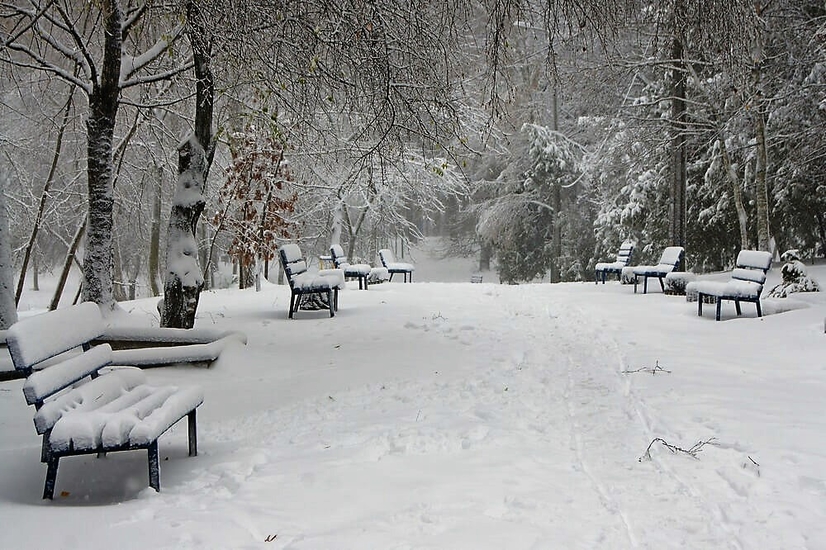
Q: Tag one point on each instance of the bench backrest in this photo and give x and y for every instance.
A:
(671, 258)
(625, 252)
(386, 257)
(292, 261)
(36, 339)
(752, 266)
(337, 253)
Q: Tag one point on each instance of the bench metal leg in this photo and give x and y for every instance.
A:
(332, 303)
(662, 284)
(51, 477)
(154, 466)
(737, 307)
(759, 310)
(719, 303)
(699, 304)
(645, 284)
(192, 430)
(292, 305)
(636, 280)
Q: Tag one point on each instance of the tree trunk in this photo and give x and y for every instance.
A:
(737, 194)
(556, 235)
(762, 191)
(761, 153)
(8, 307)
(35, 274)
(103, 109)
(184, 280)
(118, 281)
(155, 237)
(678, 140)
(67, 266)
(484, 257)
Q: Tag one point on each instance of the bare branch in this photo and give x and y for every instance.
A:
(692, 451)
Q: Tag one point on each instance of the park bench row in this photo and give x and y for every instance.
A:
(745, 284)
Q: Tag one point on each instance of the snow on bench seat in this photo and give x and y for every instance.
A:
(745, 285)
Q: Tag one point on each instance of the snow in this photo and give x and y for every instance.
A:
(754, 258)
(457, 415)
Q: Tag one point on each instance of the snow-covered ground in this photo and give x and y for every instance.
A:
(458, 415)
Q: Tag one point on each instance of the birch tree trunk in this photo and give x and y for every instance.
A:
(8, 308)
(100, 127)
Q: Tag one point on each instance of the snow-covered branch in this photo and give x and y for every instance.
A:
(131, 65)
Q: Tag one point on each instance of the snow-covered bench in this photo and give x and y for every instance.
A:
(393, 267)
(365, 273)
(159, 346)
(327, 282)
(83, 407)
(602, 269)
(669, 261)
(745, 285)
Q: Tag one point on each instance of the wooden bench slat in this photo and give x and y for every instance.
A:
(41, 384)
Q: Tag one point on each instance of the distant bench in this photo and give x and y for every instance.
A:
(83, 407)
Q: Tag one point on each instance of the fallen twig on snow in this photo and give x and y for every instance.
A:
(653, 370)
(692, 451)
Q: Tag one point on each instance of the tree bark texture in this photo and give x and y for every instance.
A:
(100, 127)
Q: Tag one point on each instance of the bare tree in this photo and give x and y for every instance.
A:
(89, 46)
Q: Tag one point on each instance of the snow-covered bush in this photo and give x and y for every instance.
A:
(675, 282)
(794, 276)
(627, 275)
